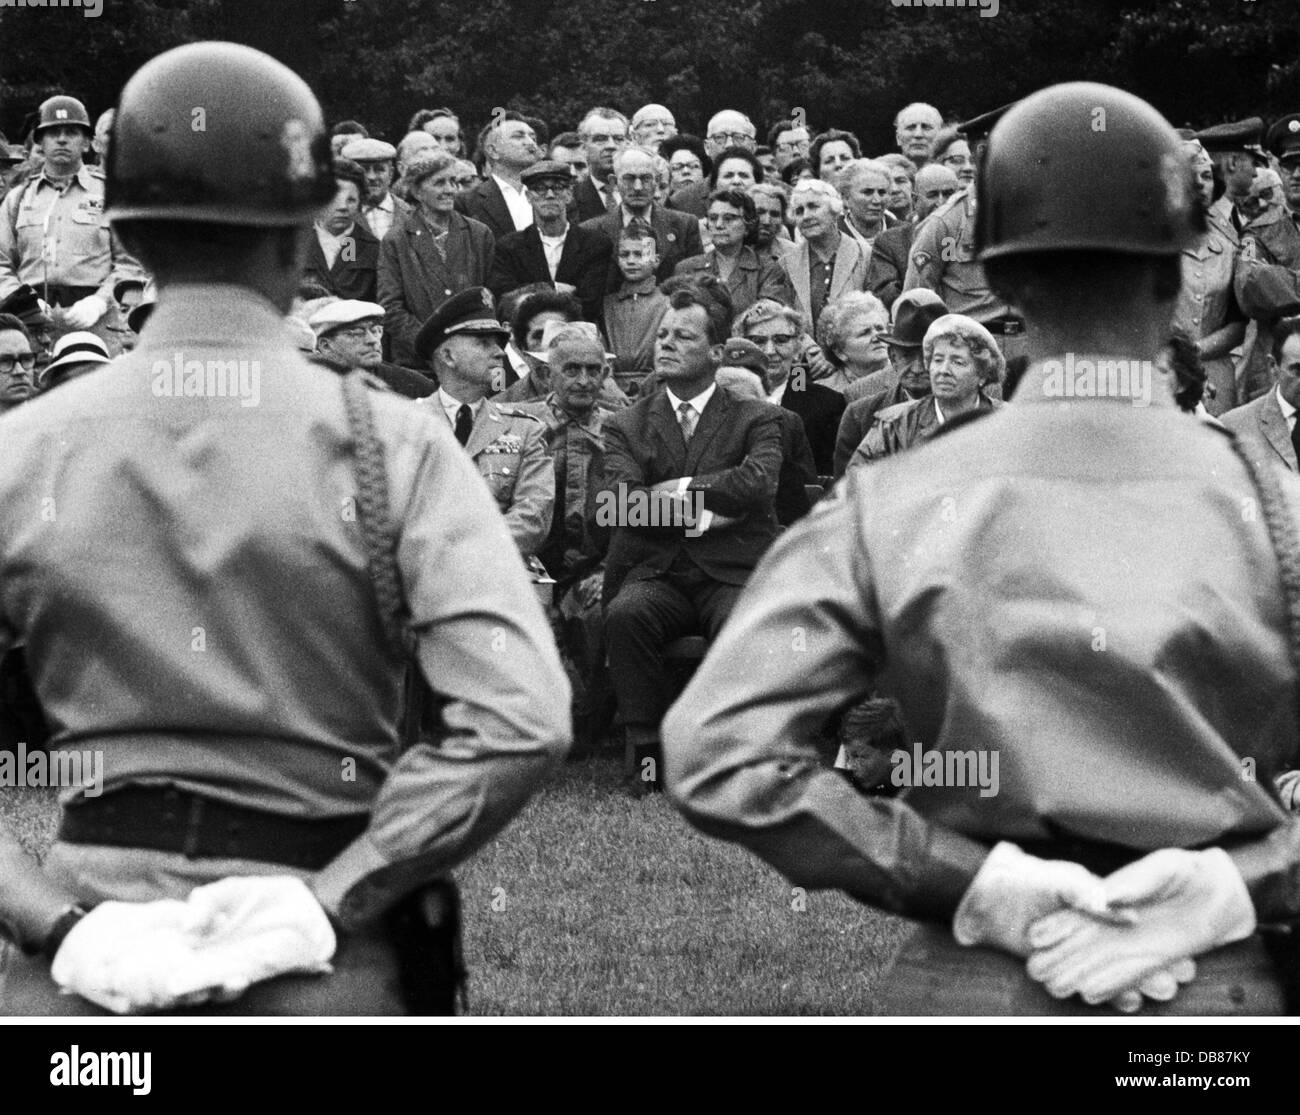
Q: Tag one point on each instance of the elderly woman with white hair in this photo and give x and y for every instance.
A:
(827, 263)
(851, 333)
(963, 360)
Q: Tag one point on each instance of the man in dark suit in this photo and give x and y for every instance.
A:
(690, 479)
(343, 255)
(677, 235)
(1267, 425)
(776, 330)
(604, 134)
(499, 201)
(551, 250)
(727, 128)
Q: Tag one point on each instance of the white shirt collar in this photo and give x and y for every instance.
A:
(1288, 411)
(698, 403)
(450, 406)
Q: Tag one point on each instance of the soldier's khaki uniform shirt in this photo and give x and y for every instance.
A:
(60, 236)
(188, 573)
(943, 259)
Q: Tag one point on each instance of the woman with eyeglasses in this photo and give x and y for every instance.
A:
(430, 254)
(732, 222)
(953, 151)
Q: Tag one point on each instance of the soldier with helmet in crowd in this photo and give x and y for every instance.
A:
(54, 234)
(272, 542)
(1087, 606)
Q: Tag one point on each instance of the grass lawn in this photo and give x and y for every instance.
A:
(591, 903)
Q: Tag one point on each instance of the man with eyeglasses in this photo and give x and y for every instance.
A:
(604, 133)
(651, 125)
(943, 257)
(551, 249)
(349, 337)
(17, 363)
(499, 201)
(727, 128)
(677, 235)
(1267, 280)
(789, 140)
(887, 267)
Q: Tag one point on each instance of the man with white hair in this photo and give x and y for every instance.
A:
(727, 128)
(604, 133)
(914, 130)
(827, 262)
(651, 125)
(677, 235)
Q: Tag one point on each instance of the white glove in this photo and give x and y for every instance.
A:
(1177, 904)
(85, 312)
(131, 957)
(1013, 890)
(1288, 789)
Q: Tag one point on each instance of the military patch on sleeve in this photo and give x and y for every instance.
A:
(921, 259)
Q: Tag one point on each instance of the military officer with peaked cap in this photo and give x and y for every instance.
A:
(54, 235)
(235, 649)
(943, 256)
(1235, 148)
(1268, 262)
(1095, 600)
(464, 343)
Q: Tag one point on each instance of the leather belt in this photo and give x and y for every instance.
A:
(167, 819)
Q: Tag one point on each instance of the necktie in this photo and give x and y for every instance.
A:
(464, 423)
(687, 413)
(611, 203)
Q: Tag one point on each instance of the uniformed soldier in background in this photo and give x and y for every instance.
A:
(194, 547)
(54, 234)
(1076, 601)
(944, 258)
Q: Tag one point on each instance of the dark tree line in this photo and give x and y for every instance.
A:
(848, 63)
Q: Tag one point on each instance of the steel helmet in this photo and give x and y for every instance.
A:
(220, 133)
(1084, 167)
(60, 111)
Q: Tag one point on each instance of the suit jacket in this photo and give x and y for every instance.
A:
(484, 202)
(520, 259)
(821, 409)
(734, 461)
(1262, 427)
(587, 202)
(859, 417)
(850, 273)
(353, 277)
(414, 278)
(677, 236)
(751, 279)
(888, 264)
(692, 199)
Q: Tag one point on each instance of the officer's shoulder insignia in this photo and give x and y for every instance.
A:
(921, 259)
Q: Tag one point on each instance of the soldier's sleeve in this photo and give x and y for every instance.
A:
(529, 517)
(802, 642)
(751, 484)
(123, 266)
(925, 260)
(9, 260)
(487, 652)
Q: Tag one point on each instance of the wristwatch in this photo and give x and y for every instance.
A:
(49, 948)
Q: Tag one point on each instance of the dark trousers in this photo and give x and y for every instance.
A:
(644, 618)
